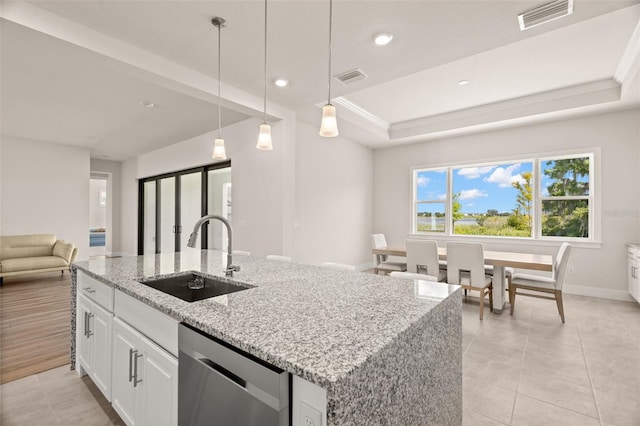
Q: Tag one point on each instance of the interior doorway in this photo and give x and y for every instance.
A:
(98, 215)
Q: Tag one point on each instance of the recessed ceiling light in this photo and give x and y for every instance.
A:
(463, 82)
(147, 104)
(382, 39)
(281, 82)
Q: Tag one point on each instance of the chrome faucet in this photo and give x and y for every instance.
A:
(228, 272)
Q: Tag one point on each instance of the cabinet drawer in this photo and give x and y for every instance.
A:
(95, 290)
(159, 327)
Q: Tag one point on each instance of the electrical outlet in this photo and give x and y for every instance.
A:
(309, 415)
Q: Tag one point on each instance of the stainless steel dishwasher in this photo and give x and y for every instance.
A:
(221, 385)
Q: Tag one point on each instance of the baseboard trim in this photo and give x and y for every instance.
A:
(602, 293)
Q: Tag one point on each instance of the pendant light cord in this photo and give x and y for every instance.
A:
(219, 109)
(265, 62)
(330, 49)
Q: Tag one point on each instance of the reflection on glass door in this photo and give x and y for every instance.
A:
(190, 207)
(149, 217)
(167, 214)
(217, 204)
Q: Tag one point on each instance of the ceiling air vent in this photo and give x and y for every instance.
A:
(350, 76)
(545, 13)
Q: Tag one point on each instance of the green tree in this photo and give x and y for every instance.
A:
(456, 214)
(492, 212)
(566, 217)
(522, 213)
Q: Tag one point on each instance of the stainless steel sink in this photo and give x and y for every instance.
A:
(192, 286)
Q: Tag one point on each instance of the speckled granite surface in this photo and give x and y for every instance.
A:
(362, 337)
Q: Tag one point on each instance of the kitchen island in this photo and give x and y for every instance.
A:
(386, 350)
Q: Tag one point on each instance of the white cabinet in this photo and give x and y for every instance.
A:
(145, 379)
(633, 271)
(94, 343)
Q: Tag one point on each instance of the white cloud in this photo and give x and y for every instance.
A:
(423, 181)
(469, 194)
(469, 205)
(504, 176)
(441, 197)
(474, 172)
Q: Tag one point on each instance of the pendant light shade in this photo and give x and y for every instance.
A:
(329, 124)
(264, 137)
(218, 147)
(218, 150)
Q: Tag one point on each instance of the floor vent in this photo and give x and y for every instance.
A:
(350, 76)
(545, 13)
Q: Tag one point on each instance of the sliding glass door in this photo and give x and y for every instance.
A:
(171, 204)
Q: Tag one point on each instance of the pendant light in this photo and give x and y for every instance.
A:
(264, 137)
(329, 125)
(218, 147)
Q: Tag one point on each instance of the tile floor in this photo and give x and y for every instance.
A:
(528, 369)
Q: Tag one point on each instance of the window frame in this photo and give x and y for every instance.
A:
(446, 201)
(536, 226)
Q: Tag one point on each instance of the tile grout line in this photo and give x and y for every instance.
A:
(524, 351)
(586, 364)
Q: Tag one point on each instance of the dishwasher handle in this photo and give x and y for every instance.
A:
(224, 372)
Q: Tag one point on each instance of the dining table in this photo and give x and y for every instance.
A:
(498, 259)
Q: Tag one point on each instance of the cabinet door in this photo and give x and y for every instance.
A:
(84, 331)
(159, 387)
(101, 347)
(633, 276)
(124, 394)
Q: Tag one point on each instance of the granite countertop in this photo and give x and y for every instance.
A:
(315, 322)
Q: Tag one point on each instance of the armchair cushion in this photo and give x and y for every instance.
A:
(63, 250)
(33, 263)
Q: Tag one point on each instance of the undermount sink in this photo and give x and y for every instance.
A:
(185, 286)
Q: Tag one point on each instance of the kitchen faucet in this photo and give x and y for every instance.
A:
(228, 272)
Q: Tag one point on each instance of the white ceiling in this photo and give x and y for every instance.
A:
(64, 83)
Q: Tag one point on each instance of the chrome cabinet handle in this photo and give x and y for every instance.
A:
(135, 369)
(88, 329)
(89, 290)
(131, 351)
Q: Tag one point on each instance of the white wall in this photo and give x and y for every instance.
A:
(44, 189)
(129, 207)
(598, 271)
(334, 198)
(258, 189)
(97, 212)
(112, 170)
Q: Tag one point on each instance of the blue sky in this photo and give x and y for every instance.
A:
(480, 188)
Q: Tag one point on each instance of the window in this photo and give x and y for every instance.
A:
(431, 200)
(565, 196)
(546, 197)
(493, 200)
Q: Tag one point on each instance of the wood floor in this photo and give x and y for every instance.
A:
(34, 324)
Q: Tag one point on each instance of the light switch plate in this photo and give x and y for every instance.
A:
(309, 416)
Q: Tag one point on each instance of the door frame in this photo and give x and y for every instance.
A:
(204, 201)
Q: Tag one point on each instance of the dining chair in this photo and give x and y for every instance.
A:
(413, 276)
(279, 258)
(422, 255)
(508, 273)
(338, 266)
(550, 285)
(382, 264)
(465, 267)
